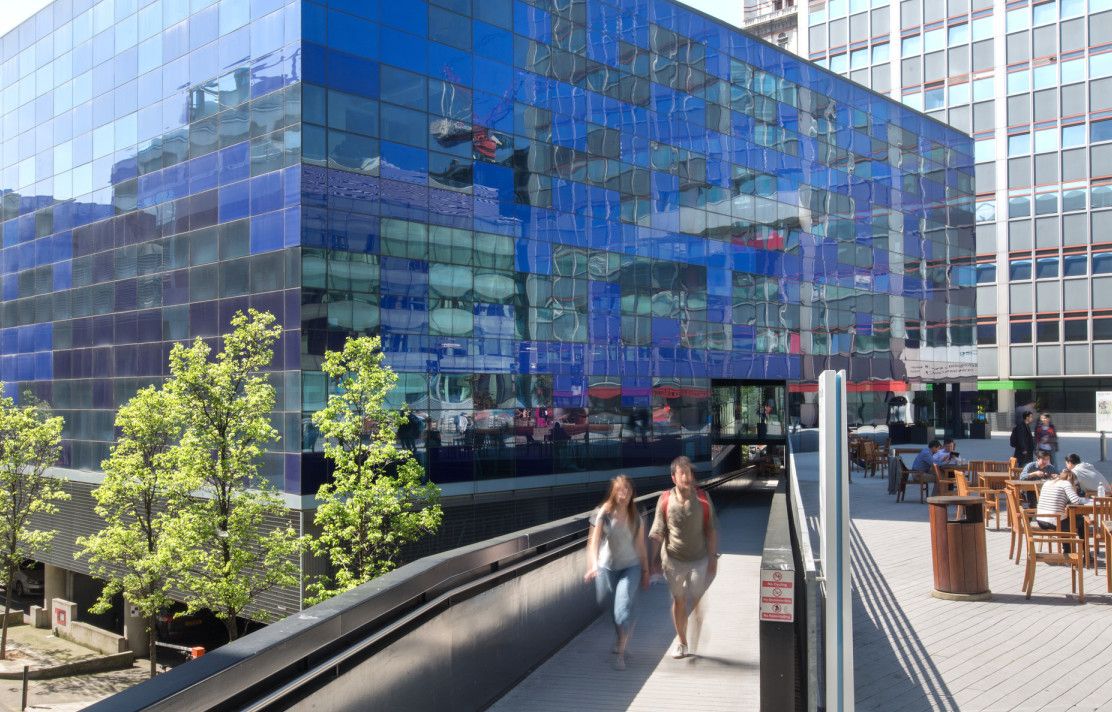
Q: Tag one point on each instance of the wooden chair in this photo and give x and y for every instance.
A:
(991, 497)
(1094, 523)
(1107, 536)
(1055, 555)
(945, 479)
(1016, 512)
(914, 477)
(866, 453)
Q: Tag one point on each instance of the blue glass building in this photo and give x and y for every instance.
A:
(571, 221)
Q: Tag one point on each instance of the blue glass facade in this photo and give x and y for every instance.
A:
(565, 218)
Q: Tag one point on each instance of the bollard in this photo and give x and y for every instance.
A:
(23, 706)
(1103, 446)
(196, 652)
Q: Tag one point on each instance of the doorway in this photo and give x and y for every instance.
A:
(751, 416)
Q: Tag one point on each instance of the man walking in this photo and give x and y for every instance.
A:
(685, 534)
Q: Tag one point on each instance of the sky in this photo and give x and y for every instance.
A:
(13, 12)
(728, 10)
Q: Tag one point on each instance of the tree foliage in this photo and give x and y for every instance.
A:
(237, 542)
(378, 499)
(30, 442)
(139, 552)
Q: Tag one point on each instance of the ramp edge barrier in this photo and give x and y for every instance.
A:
(263, 668)
(789, 650)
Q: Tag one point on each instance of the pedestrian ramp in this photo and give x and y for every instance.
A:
(722, 674)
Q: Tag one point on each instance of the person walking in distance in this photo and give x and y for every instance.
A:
(1022, 441)
(685, 534)
(616, 559)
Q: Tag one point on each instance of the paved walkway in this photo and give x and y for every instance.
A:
(913, 652)
(37, 647)
(723, 675)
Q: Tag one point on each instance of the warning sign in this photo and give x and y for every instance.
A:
(777, 596)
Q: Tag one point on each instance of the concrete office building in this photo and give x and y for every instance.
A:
(1032, 82)
(593, 235)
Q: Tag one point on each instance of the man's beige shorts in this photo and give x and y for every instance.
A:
(686, 579)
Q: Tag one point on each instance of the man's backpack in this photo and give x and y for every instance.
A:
(702, 497)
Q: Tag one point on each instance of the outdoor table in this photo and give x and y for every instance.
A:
(958, 549)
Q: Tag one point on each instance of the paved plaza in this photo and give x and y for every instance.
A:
(913, 652)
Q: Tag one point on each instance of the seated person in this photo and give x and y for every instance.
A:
(1088, 477)
(1053, 498)
(1040, 468)
(925, 459)
(945, 455)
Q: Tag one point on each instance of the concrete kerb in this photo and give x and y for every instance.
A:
(104, 663)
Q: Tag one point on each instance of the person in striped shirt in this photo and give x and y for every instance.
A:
(1053, 498)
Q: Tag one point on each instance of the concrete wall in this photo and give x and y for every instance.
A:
(65, 626)
(473, 651)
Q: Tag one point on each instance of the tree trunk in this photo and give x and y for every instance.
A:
(152, 644)
(7, 606)
(233, 628)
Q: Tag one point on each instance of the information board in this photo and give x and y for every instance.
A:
(1104, 411)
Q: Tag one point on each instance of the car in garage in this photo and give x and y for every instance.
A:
(28, 580)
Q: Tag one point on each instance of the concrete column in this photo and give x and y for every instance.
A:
(55, 585)
(135, 630)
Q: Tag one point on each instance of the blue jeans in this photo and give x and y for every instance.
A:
(622, 585)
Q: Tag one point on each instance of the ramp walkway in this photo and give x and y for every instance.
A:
(724, 672)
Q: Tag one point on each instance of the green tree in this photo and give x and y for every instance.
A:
(138, 553)
(235, 552)
(30, 442)
(378, 499)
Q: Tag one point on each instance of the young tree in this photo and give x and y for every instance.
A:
(138, 553)
(30, 441)
(234, 553)
(377, 499)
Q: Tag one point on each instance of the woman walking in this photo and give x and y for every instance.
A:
(1046, 437)
(616, 558)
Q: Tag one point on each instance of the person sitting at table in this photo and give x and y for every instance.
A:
(1053, 498)
(925, 459)
(945, 454)
(1040, 469)
(1088, 477)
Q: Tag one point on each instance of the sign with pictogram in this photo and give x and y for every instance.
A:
(777, 595)
(60, 616)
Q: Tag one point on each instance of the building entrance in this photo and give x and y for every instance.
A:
(752, 417)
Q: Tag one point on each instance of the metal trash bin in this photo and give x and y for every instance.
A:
(958, 548)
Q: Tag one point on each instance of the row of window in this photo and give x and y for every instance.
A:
(1068, 330)
(1077, 265)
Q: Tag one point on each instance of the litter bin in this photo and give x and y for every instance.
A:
(958, 548)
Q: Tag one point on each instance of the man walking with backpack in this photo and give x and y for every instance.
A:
(685, 534)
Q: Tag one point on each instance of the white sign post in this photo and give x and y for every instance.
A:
(835, 549)
(1104, 418)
